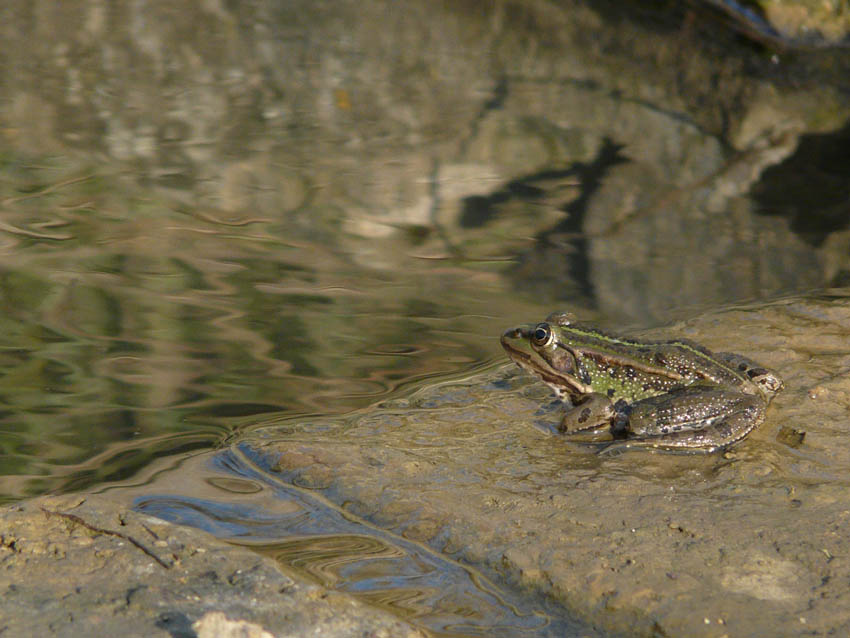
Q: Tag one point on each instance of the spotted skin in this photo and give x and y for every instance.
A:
(673, 395)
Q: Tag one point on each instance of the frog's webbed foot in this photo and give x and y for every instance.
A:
(693, 419)
(615, 448)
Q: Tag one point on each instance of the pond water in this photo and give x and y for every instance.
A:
(149, 337)
(219, 218)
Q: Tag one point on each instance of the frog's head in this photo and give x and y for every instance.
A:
(547, 350)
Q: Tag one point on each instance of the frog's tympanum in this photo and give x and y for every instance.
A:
(663, 394)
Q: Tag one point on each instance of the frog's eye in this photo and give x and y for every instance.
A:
(542, 334)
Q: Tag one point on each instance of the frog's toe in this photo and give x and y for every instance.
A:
(615, 448)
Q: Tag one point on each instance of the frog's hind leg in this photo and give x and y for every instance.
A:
(694, 419)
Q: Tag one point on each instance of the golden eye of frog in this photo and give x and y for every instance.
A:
(664, 394)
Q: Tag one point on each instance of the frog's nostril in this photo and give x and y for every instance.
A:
(512, 333)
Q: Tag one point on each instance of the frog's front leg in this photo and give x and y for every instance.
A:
(696, 418)
(591, 414)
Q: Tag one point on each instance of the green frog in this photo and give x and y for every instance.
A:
(672, 395)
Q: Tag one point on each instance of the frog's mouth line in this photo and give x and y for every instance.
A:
(537, 366)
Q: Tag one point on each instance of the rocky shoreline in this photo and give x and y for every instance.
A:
(87, 566)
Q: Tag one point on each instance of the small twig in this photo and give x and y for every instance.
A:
(108, 532)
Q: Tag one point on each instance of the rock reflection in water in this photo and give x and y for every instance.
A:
(443, 597)
(226, 495)
(329, 559)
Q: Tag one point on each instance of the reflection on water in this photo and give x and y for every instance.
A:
(225, 494)
(133, 330)
(329, 559)
(435, 593)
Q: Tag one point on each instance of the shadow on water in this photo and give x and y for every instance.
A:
(229, 496)
(811, 188)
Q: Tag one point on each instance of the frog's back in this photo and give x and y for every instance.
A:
(647, 369)
(695, 363)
